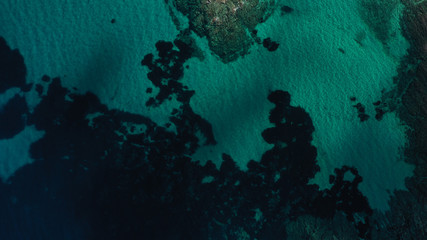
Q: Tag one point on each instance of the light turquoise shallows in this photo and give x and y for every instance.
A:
(77, 41)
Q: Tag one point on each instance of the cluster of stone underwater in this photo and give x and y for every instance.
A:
(407, 218)
(127, 177)
(228, 24)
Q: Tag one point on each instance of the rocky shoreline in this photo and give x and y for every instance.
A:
(407, 218)
(227, 24)
(413, 109)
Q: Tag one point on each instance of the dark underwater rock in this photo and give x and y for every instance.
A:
(379, 113)
(286, 9)
(101, 173)
(13, 117)
(45, 78)
(12, 68)
(361, 112)
(363, 117)
(270, 45)
(39, 89)
(165, 73)
(408, 214)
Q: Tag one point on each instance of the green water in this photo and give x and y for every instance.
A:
(77, 41)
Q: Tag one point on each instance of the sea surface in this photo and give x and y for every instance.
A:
(318, 62)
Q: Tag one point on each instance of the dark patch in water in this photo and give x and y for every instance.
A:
(165, 74)
(361, 112)
(96, 177)
(12, 68)
(286, 9)
(13, 117)
(39, 89)
(270, 45)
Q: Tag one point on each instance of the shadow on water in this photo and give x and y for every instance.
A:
(100, 71)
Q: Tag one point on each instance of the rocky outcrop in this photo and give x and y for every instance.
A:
(12, 68)
(226, 23)
(413, 109)
(408, 213)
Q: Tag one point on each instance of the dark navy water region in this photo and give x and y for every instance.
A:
(213, 120)
(87, 182)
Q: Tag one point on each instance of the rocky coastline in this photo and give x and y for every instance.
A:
(227, 24)
(407, 218)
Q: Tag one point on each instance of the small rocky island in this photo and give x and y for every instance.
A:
(226, 24)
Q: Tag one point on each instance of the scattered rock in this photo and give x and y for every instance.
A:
(270, 45)
(286, 9)
(363, 117)
(379, 113)
(39, 89)
(361, 112)
(123, 183)
(12, 68)
(13, 117)
(45, 78)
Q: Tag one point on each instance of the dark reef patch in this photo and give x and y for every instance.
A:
(12, 68)
(379, 113)
(361, 112)
(166, 71)
(45, 78)
(270, 45)
(39, 89)
(381, 108)
(13, 117)
(344, 196)
(407, 217)
(165, 74)
(286, 9)
(101, 173)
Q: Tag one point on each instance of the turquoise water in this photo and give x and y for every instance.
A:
(321, 80)
(77, 42)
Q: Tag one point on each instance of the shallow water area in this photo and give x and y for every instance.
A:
(321, 79)
(321, 61)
